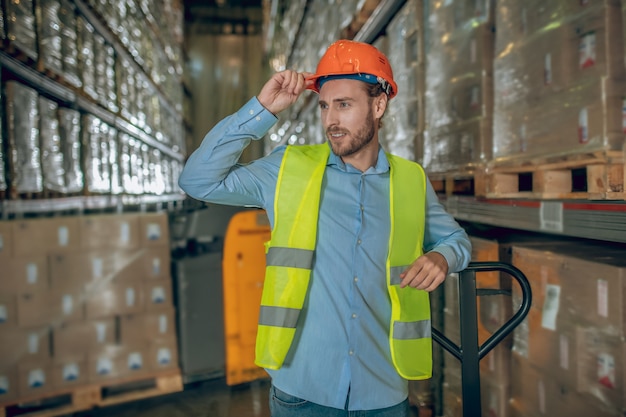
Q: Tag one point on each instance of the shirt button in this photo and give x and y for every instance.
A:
(251, 111)
(351, 353)
(358, 242)
(356, 279)
(353, 315)
(362, 208)
(258, 118)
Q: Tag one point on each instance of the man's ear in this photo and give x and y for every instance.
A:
(380, 105)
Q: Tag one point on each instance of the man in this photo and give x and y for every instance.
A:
(358, 240)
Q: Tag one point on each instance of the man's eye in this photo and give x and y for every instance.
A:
(344, 104)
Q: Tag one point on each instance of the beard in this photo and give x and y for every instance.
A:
(358, 141)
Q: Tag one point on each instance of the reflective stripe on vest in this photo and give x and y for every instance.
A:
(291, 249)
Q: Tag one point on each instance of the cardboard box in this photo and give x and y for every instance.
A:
(602, 358)
(69, 372)
(583, 284)
(147, 327)
(6, 241)
(119, 231)
(494, 398)
(495, 367)
(115, 299)
(77, 338)
(8, 384)
(24, 274)
(34, 377)
(41, 236)
(49, 308)
(17, 344)
(154, 229)
(85, 269)
(163, 354)
(8, 311)
(158, 294)
(117, 361)
(554, 350)
(157, 263)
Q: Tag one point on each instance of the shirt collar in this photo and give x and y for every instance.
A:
(382, 164)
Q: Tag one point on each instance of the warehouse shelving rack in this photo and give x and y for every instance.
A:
(69, 97)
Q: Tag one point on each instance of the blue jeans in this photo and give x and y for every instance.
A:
(285, 405)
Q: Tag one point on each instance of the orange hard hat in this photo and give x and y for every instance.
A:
(356, 60)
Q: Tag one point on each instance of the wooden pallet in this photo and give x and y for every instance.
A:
(86, 397)
(590, 176)
(462, 182)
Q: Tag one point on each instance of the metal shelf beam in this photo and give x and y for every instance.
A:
(600, 220)
(119, 203)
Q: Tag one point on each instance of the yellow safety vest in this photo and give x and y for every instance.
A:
(289, 260)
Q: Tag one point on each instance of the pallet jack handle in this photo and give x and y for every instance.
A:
(470, 352)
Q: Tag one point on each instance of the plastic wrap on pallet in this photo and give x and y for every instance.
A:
(52, 163)
(96, 155)
(143, 94)
(177, 168)
(50, 35)
(126, 92)
(21, 27)
(401, 120)
(111, 136)
(459, 91)
(130, 164)
(69, 43)
(156, 172)
(155, 110)
(105, 73)
(23, 138)
(559, 79)
(69, 130)
(167, 174)
(86, 57)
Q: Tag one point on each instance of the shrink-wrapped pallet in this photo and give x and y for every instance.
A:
(52, 156)
(459, 88)
(23, 138)
(69, 130)
(96, 155)
(104, 60)
(69, 43)
(126, 89)
(49, 26)
(404, 116)
(21, 27)
(86, 56)
(559, 79)
(130, 164)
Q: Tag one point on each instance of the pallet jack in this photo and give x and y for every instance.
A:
(469, 353)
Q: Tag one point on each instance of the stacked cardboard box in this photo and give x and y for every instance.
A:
(570, 353)
(559, 79)
(83, 300)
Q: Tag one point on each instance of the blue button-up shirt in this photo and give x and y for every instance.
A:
(342, 341)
